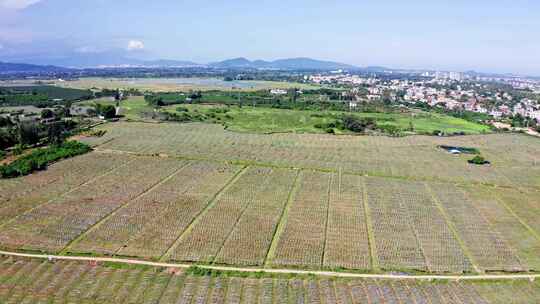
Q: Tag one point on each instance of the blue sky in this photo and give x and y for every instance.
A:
(495, 36)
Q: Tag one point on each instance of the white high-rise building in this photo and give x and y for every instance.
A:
(455, 76)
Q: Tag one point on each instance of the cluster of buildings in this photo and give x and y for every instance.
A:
(444, 89)
(341, 78)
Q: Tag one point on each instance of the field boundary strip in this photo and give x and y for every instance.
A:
(483, 277)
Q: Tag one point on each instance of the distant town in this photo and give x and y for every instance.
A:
(499, 97)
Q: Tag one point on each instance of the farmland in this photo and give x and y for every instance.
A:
(196, 193)
(515, 158)
(35, 281)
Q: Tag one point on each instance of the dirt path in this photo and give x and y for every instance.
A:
(530, 277)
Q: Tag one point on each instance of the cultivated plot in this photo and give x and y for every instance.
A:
(53, 225)
(240, 224)
(347, 237)
(20, 195)
(302, 241)
(487, 247)
(149, 225)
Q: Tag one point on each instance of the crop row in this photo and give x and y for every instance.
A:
(33, 281)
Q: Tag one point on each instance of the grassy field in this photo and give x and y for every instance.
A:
(268, 120)
(178, 84)
(197, 193)
(35, 281)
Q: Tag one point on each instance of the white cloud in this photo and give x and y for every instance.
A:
(17, 4)
(134, 45)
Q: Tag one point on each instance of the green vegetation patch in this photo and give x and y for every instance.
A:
(272, 120)
(40, 96)
(277, 118)
(203, 272)
(479, 160)
(39, 159)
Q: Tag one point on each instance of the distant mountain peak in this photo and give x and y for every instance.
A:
(288, 63)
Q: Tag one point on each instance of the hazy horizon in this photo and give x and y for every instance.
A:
(486, 36)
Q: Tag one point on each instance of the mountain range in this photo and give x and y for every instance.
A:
(6, 68)
(116, 60)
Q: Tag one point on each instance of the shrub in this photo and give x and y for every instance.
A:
(19, 149)
(330, 131)
(2, 154)
(219, 110)
(356, 124)
(390, 129)
(46, 113)
(478, 160)
(182, 109)
(107, 111)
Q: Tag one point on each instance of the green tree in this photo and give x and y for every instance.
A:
(56, 133)
(107, 111)
(46, 113)
(356, 124)
(28, 133)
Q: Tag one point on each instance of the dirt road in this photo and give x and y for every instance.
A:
(530, 277)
